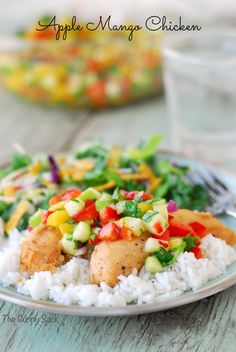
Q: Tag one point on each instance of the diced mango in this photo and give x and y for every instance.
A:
(35, 168)
(9, 191)
(58, 206)
(66, 228)
(86, 164)
(14, 220)
(144, 207)
(57, 218)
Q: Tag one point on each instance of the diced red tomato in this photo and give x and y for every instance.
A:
(89, 213)
(54, 200)
(199, 229)
(109, 232)
(107, 214)
(197, 252)
(178, 229)
(71, 193)
(45, 216)
(125, 234)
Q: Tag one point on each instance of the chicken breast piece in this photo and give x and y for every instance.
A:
(41, 251)
(111, 259)
(213, 225)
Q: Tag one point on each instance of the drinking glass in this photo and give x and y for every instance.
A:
(200, 85)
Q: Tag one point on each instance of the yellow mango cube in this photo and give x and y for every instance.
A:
(57, 218)
(144, 207)
(66, 228)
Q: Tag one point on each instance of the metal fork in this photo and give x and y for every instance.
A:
(222, 199)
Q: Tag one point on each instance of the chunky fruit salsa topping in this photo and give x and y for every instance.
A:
(28, 183)
(89, 217)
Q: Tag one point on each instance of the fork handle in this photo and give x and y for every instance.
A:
(231, 212)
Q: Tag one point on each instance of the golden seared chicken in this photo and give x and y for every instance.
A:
(213, 225)
(41, 251)
(111, 259)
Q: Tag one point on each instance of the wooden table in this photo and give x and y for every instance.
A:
(207, 325)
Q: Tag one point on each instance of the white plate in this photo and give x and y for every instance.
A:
(219, 284)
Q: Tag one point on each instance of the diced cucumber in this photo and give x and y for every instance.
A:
(134, 224)
(151, 245)
(120, 207)
(82, 232)
(36, 219)
(90, 193)
(153, 265)
(174, 242)
(73, 207)
(104, 200)
(68, 245)
(152, 219)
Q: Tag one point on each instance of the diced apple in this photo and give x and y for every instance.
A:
(74, 206)
(135, 225)
(155, 222)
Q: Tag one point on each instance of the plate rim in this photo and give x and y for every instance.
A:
(135, 309)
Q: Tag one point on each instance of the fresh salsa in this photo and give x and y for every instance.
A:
(86, 218)
(28, 184)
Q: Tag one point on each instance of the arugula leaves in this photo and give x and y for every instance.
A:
(173, 186)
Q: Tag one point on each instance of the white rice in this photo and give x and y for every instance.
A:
(69, 284)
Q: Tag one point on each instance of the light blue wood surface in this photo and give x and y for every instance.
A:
(208, 325)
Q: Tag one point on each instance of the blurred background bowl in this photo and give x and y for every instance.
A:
(87, 69)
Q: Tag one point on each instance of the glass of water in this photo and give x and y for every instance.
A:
(200, 84)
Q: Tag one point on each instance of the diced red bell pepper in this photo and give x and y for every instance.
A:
(45, 216)
(89, 213)
(197, 252)
(71, 193)
(178, 229)
(145, 195)
(109, 232)
(54, 200)
(133, 194)
(124, 193)
(164, 236)
(94, 241)
(125, 234)
(96, 93)
(199, 229)
(107, 214)
(158, 227)
(164, 244)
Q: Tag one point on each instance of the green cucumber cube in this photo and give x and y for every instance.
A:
(82, 232)
(90, 193)
(153, 265)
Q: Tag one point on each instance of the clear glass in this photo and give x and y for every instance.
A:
(200, 84)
